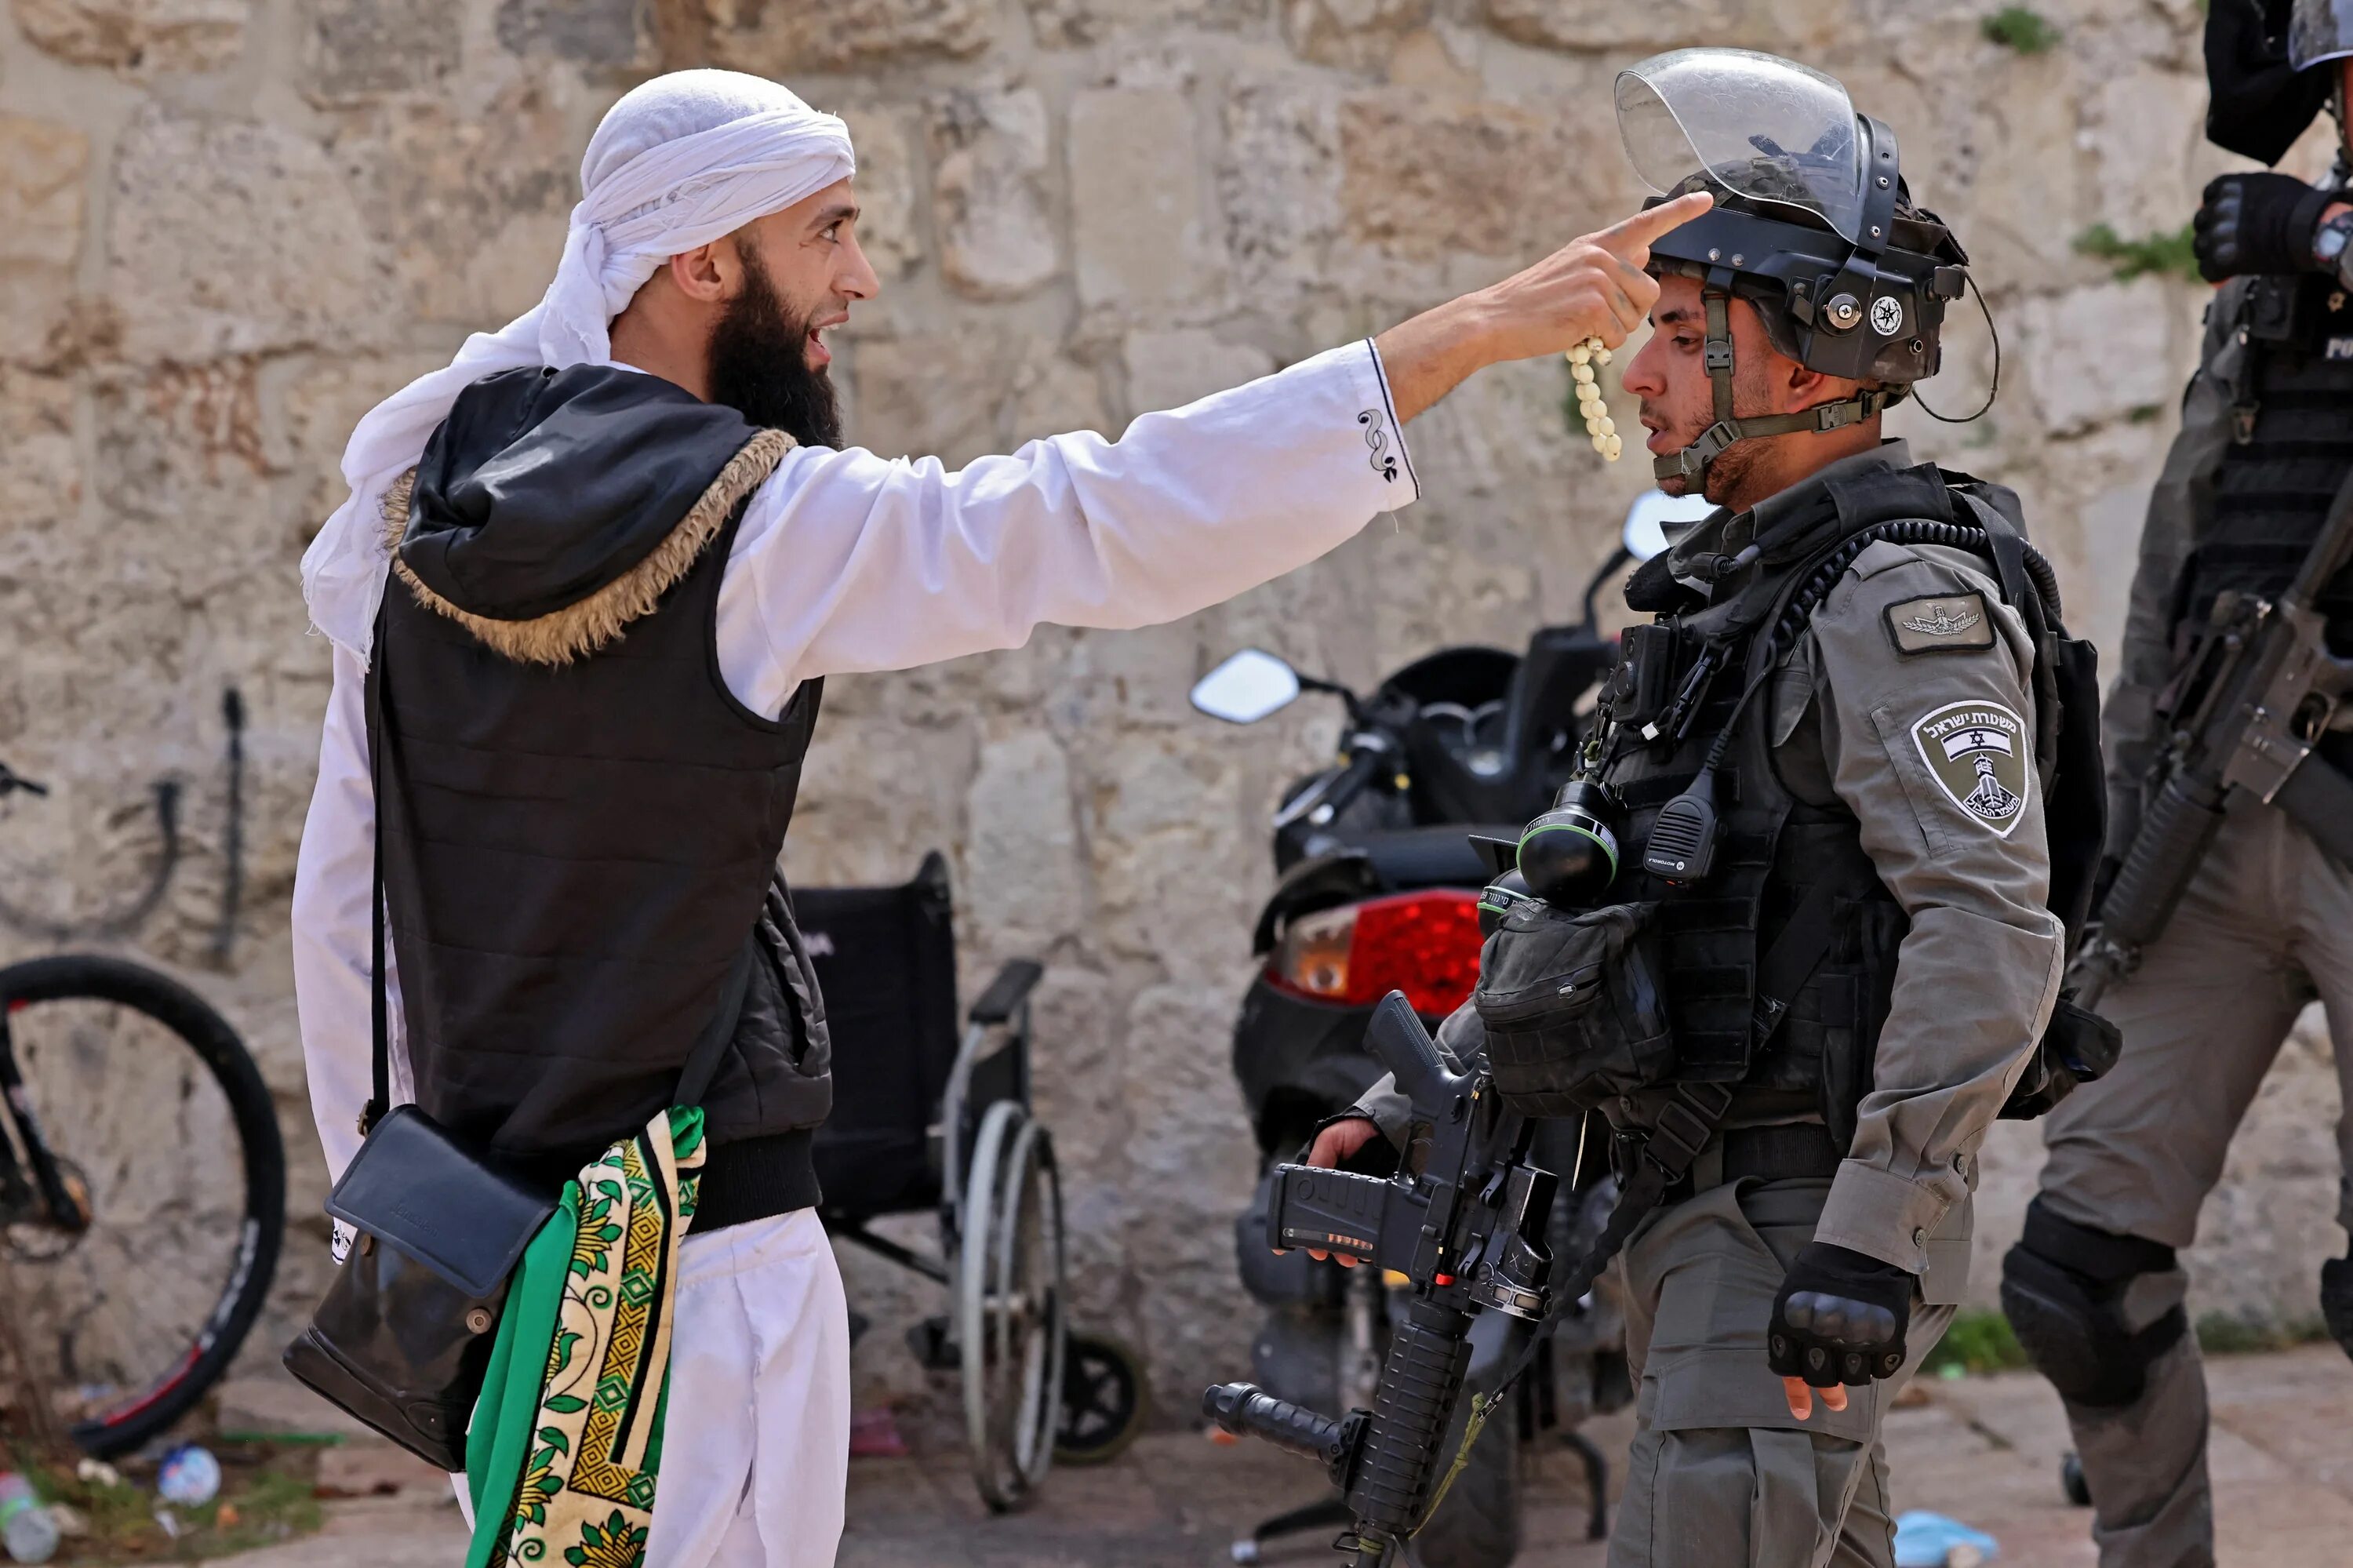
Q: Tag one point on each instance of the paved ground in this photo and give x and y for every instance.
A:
(1985, 1450)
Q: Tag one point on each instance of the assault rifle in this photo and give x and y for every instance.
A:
(1463, 1220)
(2257, 692)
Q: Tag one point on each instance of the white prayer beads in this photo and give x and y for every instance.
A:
(1597, 423)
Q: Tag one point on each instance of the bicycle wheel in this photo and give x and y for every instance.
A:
(127, 1089)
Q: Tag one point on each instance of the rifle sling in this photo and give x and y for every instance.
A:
(2318, 798)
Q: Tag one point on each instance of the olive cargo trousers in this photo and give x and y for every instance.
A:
(1721, 1476)
(2265, 928)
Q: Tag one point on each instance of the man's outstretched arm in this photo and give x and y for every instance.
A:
(1591, 287)
(847, 562)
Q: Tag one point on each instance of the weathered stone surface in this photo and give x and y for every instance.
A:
(236, 237)
(1356, 33)
(40, 484)
(989, 193)
(957, 396)
(43, 166)
(359, 47)
(1166, 369)
(1279, 182)
(142, 35)
(776, 37)
(1025, 885)
(320, 406)
(1187, 1176)
(2143, 130)
(1799, 29)
(1136, 215)
(472, 207)
(888, 161)
(593, 32)
(1426, 174)
(1074, 24)
(2100, 353)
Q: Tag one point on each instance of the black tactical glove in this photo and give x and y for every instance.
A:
(2257, 103)
(1839, 1318)
(2257, 223)
(2337, 1300)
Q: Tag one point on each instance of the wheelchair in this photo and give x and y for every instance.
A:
(931, 1118)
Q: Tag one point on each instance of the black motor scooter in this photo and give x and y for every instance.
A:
(1378, 890)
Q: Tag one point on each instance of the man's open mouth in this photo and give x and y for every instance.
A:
(819, 355)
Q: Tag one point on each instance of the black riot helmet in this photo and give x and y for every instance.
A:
(1812, 227)
(2260, 55)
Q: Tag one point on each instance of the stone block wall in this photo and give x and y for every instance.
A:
(227, 227)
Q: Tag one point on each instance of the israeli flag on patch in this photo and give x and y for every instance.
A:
(1961, 742)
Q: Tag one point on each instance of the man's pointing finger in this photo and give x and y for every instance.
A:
(1631, 237)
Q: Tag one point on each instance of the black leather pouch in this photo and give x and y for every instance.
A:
(403, 1338)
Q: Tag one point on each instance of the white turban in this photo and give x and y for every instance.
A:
(681, 161)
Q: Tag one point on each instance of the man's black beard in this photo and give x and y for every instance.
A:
(758, 364)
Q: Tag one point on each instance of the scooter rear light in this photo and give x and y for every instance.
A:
(1423, 944)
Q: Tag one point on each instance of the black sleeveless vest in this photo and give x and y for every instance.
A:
(2294, 407)
(581, 823)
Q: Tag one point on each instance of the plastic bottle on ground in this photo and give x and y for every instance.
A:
(26, 1527)
(189, 1475)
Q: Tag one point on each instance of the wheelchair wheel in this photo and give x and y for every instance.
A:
(1010, 1304)
(1105, 1401)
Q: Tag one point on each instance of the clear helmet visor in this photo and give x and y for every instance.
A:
(2319, 31)
(1759, 127)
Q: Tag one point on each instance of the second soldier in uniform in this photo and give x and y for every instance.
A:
(1858, 958)
(2096, 1288)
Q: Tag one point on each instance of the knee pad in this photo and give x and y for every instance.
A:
(2062, 1288)
(2337, 1300)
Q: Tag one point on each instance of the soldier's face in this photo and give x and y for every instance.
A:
(1669, 374)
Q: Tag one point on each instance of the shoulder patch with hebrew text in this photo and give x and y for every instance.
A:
(1980, 754)
(1945, 623)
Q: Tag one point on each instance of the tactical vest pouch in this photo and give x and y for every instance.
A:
(1572, 1007)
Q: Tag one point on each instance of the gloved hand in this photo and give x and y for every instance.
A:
(2337, 1300)
(1839, 1318)
(2256, 223)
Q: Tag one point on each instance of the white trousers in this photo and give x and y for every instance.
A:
(755, 1446)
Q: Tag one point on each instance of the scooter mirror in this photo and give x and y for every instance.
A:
(1653, 514)
(1247, 687)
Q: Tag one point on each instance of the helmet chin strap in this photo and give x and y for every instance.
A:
(1690, 463)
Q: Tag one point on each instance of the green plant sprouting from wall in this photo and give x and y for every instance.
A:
(2021, 28)
(2168, 254)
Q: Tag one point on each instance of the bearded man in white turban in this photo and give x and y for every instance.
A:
(587, 586)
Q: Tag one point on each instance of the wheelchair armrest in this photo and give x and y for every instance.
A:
(1007, 992)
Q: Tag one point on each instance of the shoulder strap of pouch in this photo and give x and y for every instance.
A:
(379, 1044)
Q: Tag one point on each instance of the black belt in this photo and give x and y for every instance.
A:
(1791, 1152)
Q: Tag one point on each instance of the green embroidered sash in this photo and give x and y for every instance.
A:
(567, 1440)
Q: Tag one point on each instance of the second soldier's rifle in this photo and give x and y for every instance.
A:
(2258, 691)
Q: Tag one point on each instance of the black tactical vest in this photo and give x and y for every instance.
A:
(2292, 449)
(1757, 997)
(575, 853)
(1805, 1051)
